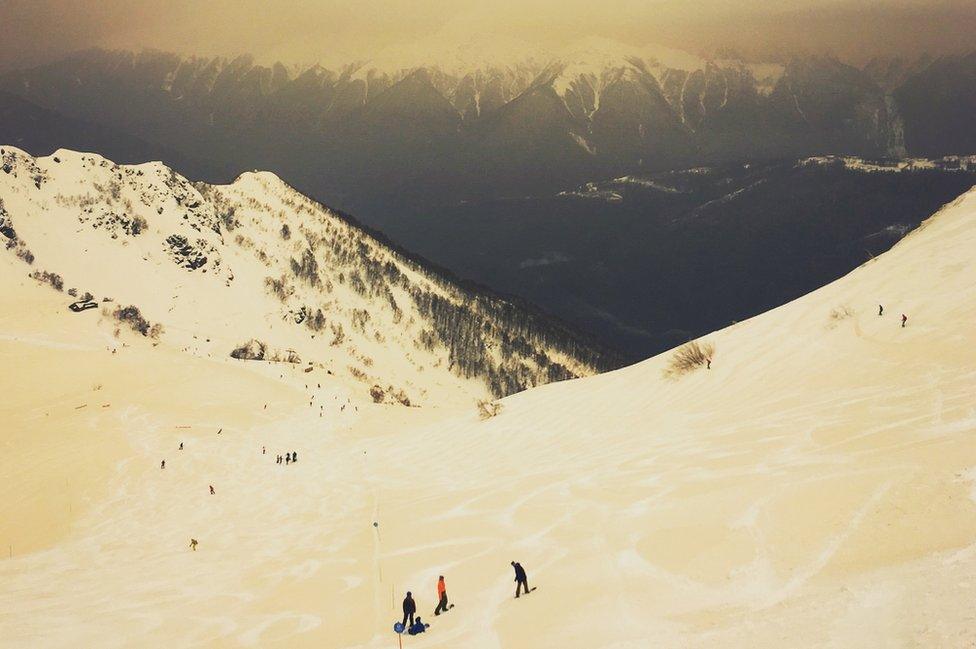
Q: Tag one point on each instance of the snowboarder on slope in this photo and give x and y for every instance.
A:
(520, 578)
(441, 596)
(409, 608)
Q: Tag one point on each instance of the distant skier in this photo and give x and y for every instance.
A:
(162, 465)
(263, 450)
(287, 458)
(904, 319)
(212, 492)
(294, 456)
(181, 446)
(441, 596)
(708, 363)
(418, 627)
(409, 608)
(520, 578)
(880, 309)
(193, 544)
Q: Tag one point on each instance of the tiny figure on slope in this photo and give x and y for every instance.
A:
(294, 456)
(181, 446)
(162, 465)
(193, 544)
(287, 458)
(418, 627)
(409, 608)
(263, 450)
(442, 605)
(880, 309)
(521, 579)
(212, 492)
(904, 319)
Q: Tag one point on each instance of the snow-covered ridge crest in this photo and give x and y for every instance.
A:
(218, 266)
(452, 69)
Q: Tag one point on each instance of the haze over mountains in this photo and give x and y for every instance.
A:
(415, 151)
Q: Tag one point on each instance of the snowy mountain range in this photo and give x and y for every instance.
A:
(395, 130)
(509, 146)
(617, 107)
(609, 105)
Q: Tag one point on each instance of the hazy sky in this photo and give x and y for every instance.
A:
(304, 31)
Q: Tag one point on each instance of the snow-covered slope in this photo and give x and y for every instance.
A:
(220, 266)
(813, 488)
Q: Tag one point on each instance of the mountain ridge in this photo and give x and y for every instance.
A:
(259, 249)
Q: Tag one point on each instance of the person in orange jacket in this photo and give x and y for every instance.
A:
(441, 597)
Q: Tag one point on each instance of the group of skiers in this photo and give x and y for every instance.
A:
(288, 458)
(417, 625)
